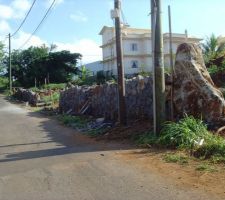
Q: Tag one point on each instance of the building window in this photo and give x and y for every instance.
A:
(134, 64)
(134, 47)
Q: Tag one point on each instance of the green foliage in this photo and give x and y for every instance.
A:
(214, 146)
(73, 121)
(97, 131)
(146, 139)
(4, 82)
(175, 158)
(85, 73)
(55, 86)
(183, 134)
(188, 134)
(2, 54)
(213, 48)
(39, 63)
(205, 167)
(143, 71)
(213, 69)
(54, 98)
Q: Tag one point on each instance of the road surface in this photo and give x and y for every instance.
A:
(42, 160)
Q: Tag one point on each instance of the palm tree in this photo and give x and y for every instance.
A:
(213, 48)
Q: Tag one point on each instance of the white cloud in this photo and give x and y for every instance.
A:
(17, 9)
(20, 8)
(4, 27)
(89, 49)
(21, 5)
(22, 37)
(6, 12)
(79, 17)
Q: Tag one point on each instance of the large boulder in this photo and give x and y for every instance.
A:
(194, 91)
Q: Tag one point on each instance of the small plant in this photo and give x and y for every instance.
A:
(143, 71)
(214, 146)
(206, 167)
(146, 139)
(73, 121)
(183, 134)
(55, 86)
(175, 158)
(213, 69)
(97, 131)
(4, 82)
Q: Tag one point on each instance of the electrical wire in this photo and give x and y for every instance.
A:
(45, 16)
(24, 19)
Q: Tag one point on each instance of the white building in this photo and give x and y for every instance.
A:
(136, 49)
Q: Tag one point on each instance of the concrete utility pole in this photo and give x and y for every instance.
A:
(158, 65)
(10, 68)
(120, 68)
(171, 64)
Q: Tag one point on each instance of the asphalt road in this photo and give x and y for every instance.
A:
(42, 160)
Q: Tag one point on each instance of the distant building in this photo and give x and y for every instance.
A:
(94, 67)
(136, 49)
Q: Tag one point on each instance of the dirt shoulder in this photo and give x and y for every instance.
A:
(194, 174)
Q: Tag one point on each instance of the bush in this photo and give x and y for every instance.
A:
(214, 147)
(73, 121)
(187, 134)
(183, 134)
(55, 86)
(4, 82)
(54, 98)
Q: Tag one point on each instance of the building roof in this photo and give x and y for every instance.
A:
(141, 31)
(129, 29)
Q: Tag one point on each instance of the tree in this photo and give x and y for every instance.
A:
(2, 54)
(213, 49)
(39, 63)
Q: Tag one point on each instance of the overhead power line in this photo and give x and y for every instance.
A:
(45, 16)
(24, 19)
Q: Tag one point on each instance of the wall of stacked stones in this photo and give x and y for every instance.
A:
(103, 99)
(26, 96)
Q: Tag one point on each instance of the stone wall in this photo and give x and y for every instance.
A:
(26, 96)
(101, 100)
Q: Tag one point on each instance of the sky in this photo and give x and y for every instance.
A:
(75, 24)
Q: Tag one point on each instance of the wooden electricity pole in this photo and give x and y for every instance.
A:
(120, 68)
(158, 65)
(10, 68)
(171, 65)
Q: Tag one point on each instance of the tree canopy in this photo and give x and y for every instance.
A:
(1, 57)
(41, 64)
(213, 48)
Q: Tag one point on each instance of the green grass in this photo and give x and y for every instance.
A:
(175, 158)
(206, 167)
(55, 86)
(54, 98)
(97, 131)
(183, 134)
(73, 121)
(187, 134)
(146, 139)
(4, 82)
(52, 86)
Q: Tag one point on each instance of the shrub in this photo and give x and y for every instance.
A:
(188, 134)
(146, 139)
(73, 121)
(214, 146)
(183, 134)
(3, 83)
